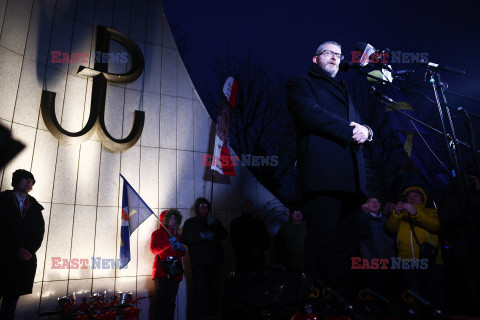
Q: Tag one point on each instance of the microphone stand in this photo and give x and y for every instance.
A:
(473, 140)
(474, 115)
(452, 146)
(389, 102)
(428, 87)
(427, 309)
(459, 179)
(462, 192)
(460, 142)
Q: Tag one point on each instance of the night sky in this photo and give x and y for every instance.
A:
(286, 33)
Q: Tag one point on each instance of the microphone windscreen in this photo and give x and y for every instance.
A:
(375, 73)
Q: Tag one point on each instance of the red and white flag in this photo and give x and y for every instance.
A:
(222, 161)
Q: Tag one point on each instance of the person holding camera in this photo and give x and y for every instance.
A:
(167, 267)
(417, 229)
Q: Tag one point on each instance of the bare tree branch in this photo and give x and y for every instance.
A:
(260, 124)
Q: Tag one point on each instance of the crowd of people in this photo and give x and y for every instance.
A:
(202, 234)
(407, 229)
(401, 230)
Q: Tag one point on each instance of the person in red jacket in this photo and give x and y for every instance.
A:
(165, 244)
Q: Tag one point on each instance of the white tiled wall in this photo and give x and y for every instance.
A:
(59, 240)
(29, 94)
(15, 25)
(153, 69)
(79, 185)
(151, 129)
(185, 124)
(10, 69)
(50, 291)
(38, 39)
(88, 172)
(138, 84)
(168, 121)
(115, 101)
(83, 239)
(149, 176)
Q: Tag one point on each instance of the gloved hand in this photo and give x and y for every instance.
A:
(208, 235)
(210, 220)
(172, 240)
(178, 246)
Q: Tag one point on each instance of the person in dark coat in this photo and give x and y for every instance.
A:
(202, 235)
(376, 243)
(289, 241)
(330, 166)
(166, 245)
(250, 239)
(21, 230)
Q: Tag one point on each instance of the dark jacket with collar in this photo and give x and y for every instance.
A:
(249, 239)
(375, 242)
(203, 252)
(17, 276)
(327, 159)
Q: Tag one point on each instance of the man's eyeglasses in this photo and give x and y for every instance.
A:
(331, 53)
(29, 180)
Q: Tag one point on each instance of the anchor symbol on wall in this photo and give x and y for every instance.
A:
(96, 119)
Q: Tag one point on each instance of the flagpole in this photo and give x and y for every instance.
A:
(229, 90)
(212, 174)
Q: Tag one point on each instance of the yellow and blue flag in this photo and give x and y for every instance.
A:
(417, 141)
(134, 212)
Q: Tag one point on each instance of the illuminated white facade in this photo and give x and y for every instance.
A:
(79, 185)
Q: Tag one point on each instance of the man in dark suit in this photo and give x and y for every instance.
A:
(330, 167)
(21, 234)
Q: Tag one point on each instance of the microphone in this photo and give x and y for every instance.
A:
(377, 75)
(367, 54)
(367, 50)
(461, 109)
(374, 91)
(401, 72)
(436, 66)
(347, 65)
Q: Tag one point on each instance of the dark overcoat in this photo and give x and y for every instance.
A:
(16, 276)
(203, 252)
(327, 157)
(249, 239)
